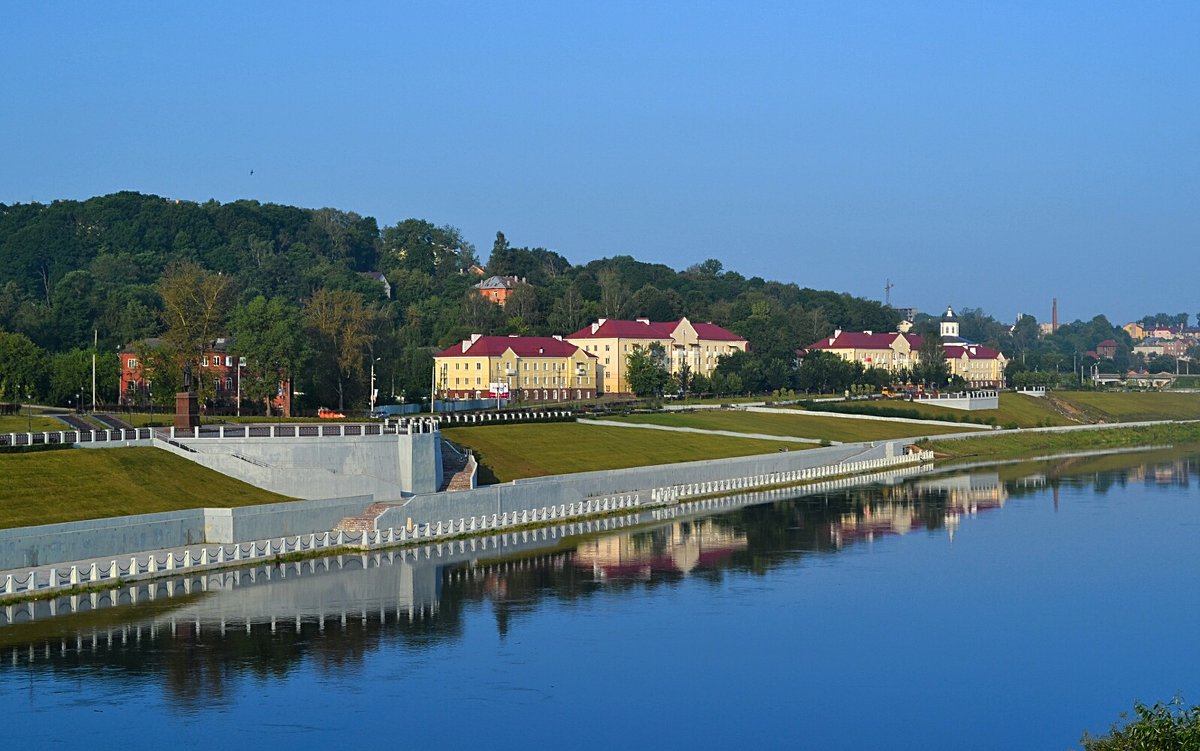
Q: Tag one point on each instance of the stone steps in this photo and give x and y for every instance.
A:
(364, 522)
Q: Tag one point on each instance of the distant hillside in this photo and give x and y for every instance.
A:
(73, 267)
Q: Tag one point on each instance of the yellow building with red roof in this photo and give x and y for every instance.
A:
(696, 345)
(524, 368)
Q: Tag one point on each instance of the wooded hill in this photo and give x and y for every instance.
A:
(70, 268)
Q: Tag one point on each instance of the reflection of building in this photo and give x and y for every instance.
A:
(681, 547)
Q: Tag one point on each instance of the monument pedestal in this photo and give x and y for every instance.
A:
(187, 411)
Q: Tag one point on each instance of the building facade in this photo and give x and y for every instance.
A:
(219, 367)
(496, 289)
(977, 365)
(520, 368)
(698, 346)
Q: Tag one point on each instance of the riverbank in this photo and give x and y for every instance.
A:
(1018, 444)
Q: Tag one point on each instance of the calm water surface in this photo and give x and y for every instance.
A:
(1008, 608)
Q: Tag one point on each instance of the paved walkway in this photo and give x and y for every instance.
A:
(729, 433)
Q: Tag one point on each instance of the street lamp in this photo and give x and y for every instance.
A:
(371, 411)
(240, 363)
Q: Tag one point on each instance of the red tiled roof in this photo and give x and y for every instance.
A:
(863, 340)
(614, 329)
(713, 332)
(973, 352)
(645, 329)
(522, 346)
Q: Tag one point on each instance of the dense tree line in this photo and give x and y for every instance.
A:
(289, 284)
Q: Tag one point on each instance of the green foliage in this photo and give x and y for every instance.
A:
(22, 370)
(270, 336)
(646, 371)
(74, 267)
(1162, 727)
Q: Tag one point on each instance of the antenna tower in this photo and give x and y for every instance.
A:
(887, 293)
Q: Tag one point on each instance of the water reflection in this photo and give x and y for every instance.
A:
(195, 635)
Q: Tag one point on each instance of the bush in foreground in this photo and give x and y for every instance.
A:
(1163, 727)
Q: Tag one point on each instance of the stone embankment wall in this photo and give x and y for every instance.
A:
(75, 541)
(557, 490)
(558, 521)
(388, 466)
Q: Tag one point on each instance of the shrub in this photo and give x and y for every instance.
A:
(1162, 727)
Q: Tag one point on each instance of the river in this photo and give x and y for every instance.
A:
(1004, 607)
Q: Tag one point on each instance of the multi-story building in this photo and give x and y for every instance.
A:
(699, 346)
(979, 366)
(497, 288)
(218, 366)
(526, 368)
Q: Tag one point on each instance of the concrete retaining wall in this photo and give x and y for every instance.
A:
(387, 466)
(539, 492)
(52, 543)
(25, 547)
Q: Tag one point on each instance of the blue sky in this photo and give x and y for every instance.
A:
(989, 155)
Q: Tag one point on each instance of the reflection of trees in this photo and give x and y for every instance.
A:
(197, 664)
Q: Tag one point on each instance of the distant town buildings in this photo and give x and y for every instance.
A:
(977, 365)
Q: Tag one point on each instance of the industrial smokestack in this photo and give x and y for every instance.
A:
(1054, 316)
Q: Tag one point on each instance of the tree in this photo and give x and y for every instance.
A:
(613, 293)
(21, 368)
(269, 334)
(931, 368)
(568, 314)
(195, 302)
(160, 369)
(342, 326)
(645, 370)
(522, 304)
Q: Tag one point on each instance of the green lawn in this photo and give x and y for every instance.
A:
(509, 452)
(1020, 445)
(1016, 410)
(21, 423)
(1133, 406)
(798, 425)
(74, 484)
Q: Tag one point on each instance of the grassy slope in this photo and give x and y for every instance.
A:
(1018, 445)
(1015, 409)
(515, 451)
(74, 484)
(798, 425)
(21, 423)
(1135, 406)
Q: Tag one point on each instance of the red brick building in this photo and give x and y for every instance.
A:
(218, 369)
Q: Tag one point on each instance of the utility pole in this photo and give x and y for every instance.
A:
(95, 343)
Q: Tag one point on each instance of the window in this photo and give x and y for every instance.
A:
(605, 347)
(229, 361)
(204, 362)
(229, 384)
(478, 366)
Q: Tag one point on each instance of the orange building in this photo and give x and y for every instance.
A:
(498, 288)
